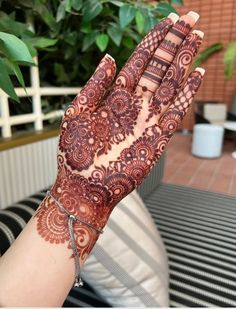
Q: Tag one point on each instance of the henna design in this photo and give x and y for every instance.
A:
(163, 57)
(83, 136)
(169, 47)
(95, 89)
(94, 197)
(129, 76)
(92, 179)
(181, 29)
(175, 75)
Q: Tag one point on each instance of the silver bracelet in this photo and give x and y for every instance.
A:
(71, 219)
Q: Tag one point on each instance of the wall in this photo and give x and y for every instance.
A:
(26, 170)
(218, 22)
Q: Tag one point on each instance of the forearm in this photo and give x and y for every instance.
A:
(39, 271)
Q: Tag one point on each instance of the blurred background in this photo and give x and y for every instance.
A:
(48, 50)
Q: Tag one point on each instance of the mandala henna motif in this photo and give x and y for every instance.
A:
(88, 184)
(51, 223)
(85, 135)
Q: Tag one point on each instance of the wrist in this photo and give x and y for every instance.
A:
(83, 200)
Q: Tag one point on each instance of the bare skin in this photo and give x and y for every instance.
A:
(111, 136)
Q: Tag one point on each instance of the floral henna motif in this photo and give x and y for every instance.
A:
(86, 135)
(52, 226)
(95, 89)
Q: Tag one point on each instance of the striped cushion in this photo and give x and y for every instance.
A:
(198, 229)
(128, 265)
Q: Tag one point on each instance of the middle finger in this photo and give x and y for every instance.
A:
(164, 55)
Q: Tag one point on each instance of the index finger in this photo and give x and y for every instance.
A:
(132, 71)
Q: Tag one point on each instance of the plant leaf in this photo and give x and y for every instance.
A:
(102, 41)
(139, 18)
(150, 21)
(128, 42)
(229, 60)
(42, 42)
(14, 69)
(115, 34)
(71, 38)
(61, 11)
(68, 6)
(76, 4)
(14, 49)
(117, 3)
(91, 9)
(32, 50)
(206, 53)
(6, 83)
(86, 28)
(126, 14)
(41, 9)
(165, 9)
(176, 2)
(88, 40)
(60, 73)
(8, 24)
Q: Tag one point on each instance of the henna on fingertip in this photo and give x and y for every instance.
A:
(95, 89)
(132, 71)
(174, 115)
(152, 77)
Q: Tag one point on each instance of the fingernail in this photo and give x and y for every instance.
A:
(109, 56)
(194, 15)
(174, 17)
(199, 33)
(201, 71)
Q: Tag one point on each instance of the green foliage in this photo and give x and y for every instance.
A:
(70, 36)
(18, 45)
(126, 14)
(165, 8)
(140, 21)
(102, 41)
(13, 52)
(206, 53)
(229, 59)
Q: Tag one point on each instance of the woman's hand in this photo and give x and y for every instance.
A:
(115, 131)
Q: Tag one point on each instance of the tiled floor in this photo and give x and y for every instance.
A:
(218, 175)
